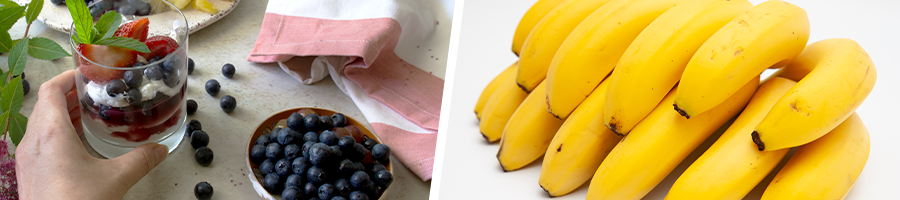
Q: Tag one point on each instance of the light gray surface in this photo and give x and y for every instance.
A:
(261, 90)
(470, 169)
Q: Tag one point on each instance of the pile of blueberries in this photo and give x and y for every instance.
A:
(199, 140)
(323, 163)
(125, 7)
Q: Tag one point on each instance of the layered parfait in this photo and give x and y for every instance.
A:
(131, 96)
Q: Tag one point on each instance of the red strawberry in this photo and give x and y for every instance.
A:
(105, 55)
(159, 46)
(136, 29)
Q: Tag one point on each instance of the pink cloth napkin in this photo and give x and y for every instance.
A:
(354, 42)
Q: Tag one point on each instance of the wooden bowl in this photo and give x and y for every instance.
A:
(266, 127)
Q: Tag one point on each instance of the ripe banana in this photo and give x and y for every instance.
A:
(732, 166)
(841, 80)
(543, 41)
(657, 145)
(592, 50)
(579, 146)
(492, 86)
(528, 132)
(825, 168)
(770, 33)
(499, 108)
(531, 18)
(653, 63)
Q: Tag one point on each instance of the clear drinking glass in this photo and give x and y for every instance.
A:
(115, 123)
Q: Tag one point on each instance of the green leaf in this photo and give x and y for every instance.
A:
(17, 57)
(7, 3)
(11, 98)
(34, 9)
(17, 125)
(45, 49)
(9, 16)
(81, 16)
(108, 24)
(124, 42)
(5, 42)
(3, 82)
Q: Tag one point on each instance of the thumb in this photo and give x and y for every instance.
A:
(135, 164)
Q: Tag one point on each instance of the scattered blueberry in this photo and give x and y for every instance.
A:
(326, 191)
(258, 153)
(311, 137)
(325, 123)
(228, 70)
(191, 106)
(283, 167)
(346, 143)
(311, 121)
(358, 195)
(199, 138)
(190, 65)
(273, 151)
(301, 165)
(228, 103)
(114, 87)
(328, 137)
(359, 180)
(203, 190)
(342, 187)
(383, 178)
(295, 121)
(381, 152)
(25, 87)
(292, 151)
(316, 175)
(191, 127)
(291, 193)
(203, 155)
(267, 167)
(339, 120)
(133, 78)
(212, 87)
(273, 183)
(154, 73)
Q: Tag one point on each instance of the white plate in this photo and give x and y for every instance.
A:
(57, 17)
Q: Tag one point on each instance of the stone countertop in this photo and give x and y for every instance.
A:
(260, 89)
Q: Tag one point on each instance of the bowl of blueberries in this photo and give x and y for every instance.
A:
(314, 153)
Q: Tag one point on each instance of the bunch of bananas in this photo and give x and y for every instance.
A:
(596, 81)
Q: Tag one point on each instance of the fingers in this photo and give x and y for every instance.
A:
(53, 94)
(135, 164)
(51, 116)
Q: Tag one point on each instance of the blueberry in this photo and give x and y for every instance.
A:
(371, 189)
(273, 151)
(283, 167)
(291, 193)
(310, 189)
(287, 136)
(292, 151)
(191, 127)
(316, 175)
(342, 187)
(212, 87)
(58, 2)
(258, 153)
(114, 87)
(273, 136)
(172, 64)
(154, 73)
(326, 191)
(311, 121)
(377, 167)
(300, 165)
(314, 198)
(381, 152)
(127, 10)
(191, 106)
(190, 65)
(86, 101)
(347, 167)
(359, 152)
(203, 190)
(358, 195)
(295, 121)
(336, 151)
(228, 103)
(267, 167)
(203, 155)
(305, 148)
(320, 154)
(311, 137)
(273, 183)
(228, 70)
(369, 143)
(155, 58)
(338, 198)
(346, 143)
(359, 180)
(134, 96)
(263, 140)
(325, 123)
(147, 110)
(171, 80)
(102, 112)
(96, 12)
(133, 78)
(25, 87)
(199, 138)
(383, 178)
(339, 120)
(328, 137)
(143, 8)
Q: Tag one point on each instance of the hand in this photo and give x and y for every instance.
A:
(52, 163)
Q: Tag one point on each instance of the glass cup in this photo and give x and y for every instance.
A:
(150, 106)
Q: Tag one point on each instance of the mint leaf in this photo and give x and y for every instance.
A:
(9, 16)
(5, 42)
(108, 24)
(3, 82)
(17, 124)
(124, 42)
(11, 99)
(17, 57)
(7, 3)
(45, 49)
(34, 8)
(81, 16)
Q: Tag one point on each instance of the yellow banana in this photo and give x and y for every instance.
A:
(543, 41)
(657, 145)
(578, 147)
(841, 80)
(499, 108)
(528, 132)
(803, 63)
(770, 33)
(491, 87)
(732, 166)
(531, 18)
(653, 63)
(592, 50)
(825, 168)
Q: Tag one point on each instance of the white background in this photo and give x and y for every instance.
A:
(470, 169)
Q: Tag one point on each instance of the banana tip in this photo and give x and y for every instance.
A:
(547, 191)
(612, 127)
(523, 88)
(681, 111)
(757, 141)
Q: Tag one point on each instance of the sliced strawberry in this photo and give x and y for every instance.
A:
(105, 55)
(159, 46)
(136, 29)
